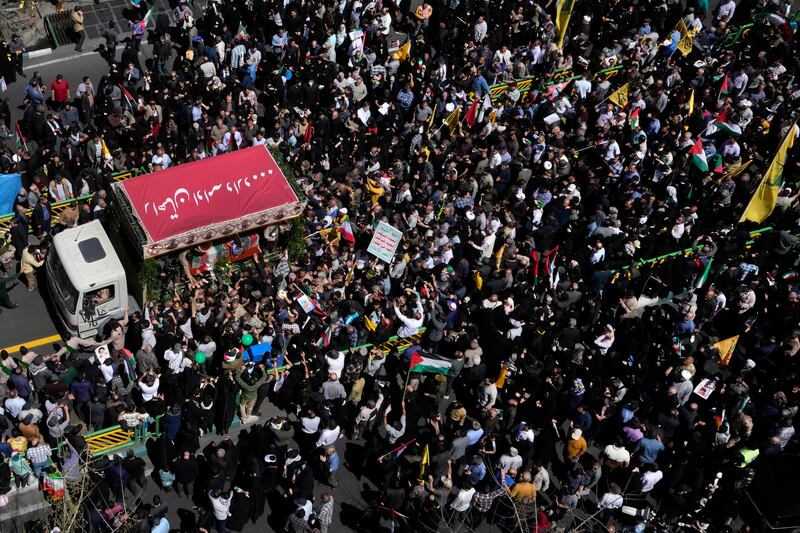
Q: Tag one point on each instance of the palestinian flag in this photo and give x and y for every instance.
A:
(723, 89)
(429, 364)
(347, 230)
(699, 155)
(325, 339)
(634, 118)
(726, 127)
(716, 164)
(21, 142)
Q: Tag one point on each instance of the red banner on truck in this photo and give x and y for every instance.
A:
(210, 199)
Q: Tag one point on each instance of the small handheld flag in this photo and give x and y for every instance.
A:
(699, 155)
(347, 230)
(429, 364)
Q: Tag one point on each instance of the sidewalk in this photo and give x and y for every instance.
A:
(24, 504)
(31, 26)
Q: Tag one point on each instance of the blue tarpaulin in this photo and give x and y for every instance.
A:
(256, 352)
(9, 187)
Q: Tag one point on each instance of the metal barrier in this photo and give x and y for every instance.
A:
(114, 438)
(688, 251)
(59, 28)
(524, 85)
(108, 440)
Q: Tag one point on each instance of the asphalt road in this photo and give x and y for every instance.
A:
(31, 323)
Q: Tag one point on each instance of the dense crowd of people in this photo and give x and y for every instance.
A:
(573, 376)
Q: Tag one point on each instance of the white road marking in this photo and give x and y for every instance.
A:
(61, 60)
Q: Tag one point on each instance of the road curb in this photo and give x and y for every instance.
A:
(39, 53)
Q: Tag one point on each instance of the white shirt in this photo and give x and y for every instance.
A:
(488, 395)
(603, 343)
(510, 461)
(503, 57)
(583, 87)
(221, 506)
(410, 325)
(148, 337)
(597, 255)
(649, 480)
(14, 406)
(620, 455)
(613, 150)
(174, 360)
(480, 31)
(335, 365)
(726, 11)
(328, 436)
(309, 425)
(207, 348)
(149, 391)
(527, 435)
(463, 500)
(610, 501)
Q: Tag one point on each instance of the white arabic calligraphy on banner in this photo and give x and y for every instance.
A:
(183, 195)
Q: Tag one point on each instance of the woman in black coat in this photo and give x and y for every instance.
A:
(225, 404)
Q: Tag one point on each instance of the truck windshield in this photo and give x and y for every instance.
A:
(62, 284)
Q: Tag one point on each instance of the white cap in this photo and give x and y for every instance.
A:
(686, 375)
(576, 433)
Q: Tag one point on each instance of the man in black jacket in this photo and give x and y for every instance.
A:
(137, 480)
(185, 470)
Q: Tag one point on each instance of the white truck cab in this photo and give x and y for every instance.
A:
(86, 280)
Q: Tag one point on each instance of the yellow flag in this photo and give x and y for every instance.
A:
(369, 324)
(425, 462)
(620, 96)
(725, 349)
(501, 379)
(763, 201)
(563, 13)
(741, 168)
(685, 44)
(433, 115)
(691, 102)
(105, 152)
(452, 120)
(681, 27)
(403, 52)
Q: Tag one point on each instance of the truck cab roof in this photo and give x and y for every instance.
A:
(87, 256)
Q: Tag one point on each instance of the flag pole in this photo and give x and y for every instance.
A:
(412, 441)
(405, 387)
